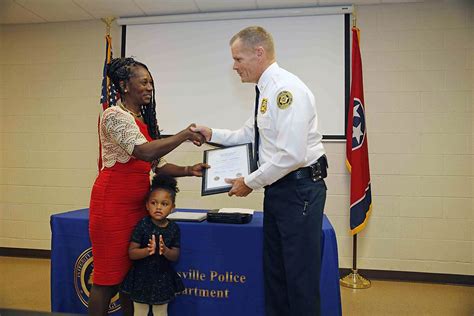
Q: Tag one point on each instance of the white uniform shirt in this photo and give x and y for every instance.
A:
(289, 136)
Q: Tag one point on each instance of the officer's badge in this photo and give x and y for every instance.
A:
(284, 99)
(263, 106)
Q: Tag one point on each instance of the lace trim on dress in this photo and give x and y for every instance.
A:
(119, 134)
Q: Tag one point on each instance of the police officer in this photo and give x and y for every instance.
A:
(291, 167)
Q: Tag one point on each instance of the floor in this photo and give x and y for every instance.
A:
(24, 284)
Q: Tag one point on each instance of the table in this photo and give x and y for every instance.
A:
(221, 266)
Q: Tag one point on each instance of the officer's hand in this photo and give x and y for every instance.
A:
(239, 188)
(197, 138)
(205, 131)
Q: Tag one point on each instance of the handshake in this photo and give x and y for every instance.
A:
(197, 134)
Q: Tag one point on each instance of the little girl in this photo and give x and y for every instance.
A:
(152, 282)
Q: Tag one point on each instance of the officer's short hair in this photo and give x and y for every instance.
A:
(254, 36)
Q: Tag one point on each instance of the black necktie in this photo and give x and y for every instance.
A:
(255, 127)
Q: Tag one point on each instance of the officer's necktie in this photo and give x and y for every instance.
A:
(255, 127)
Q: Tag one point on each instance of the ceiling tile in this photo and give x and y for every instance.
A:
(11, 13)
(401, 1)
(162, 7)
(34, 11)
(342, 2)
(225, 5)
(274, 4)
(56, 10)
(106, 8)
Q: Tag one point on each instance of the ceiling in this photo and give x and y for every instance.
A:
(44, 11)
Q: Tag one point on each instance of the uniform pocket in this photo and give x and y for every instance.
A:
(308, 193)
(264, 122)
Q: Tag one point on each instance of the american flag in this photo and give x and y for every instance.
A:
(109, 94)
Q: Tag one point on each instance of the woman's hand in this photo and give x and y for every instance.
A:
(204, 130)
(197, 169)
(197, 138)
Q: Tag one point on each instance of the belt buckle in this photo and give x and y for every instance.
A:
(315, 171)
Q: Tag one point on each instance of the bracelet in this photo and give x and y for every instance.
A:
(186, 170)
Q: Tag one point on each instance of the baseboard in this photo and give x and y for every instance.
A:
(25, 253)
(369, 274)
(442, 278)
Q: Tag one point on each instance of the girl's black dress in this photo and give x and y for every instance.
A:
(152, 280)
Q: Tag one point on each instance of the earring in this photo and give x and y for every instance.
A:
(125, 90)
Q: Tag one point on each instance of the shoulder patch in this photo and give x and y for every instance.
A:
(284, 99)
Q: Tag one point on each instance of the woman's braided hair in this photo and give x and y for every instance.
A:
(121, 69)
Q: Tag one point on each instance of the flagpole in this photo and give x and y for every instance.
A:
(108, 23)
(354, 280)
(106, 99)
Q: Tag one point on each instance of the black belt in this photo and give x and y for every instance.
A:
(316, 171)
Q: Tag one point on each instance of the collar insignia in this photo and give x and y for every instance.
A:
(263, 106)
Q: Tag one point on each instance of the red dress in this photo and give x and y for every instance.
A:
(117, 205)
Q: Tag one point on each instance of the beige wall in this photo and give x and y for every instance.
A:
(419, 85)
(49, 93)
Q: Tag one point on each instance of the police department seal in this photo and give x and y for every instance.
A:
(83, 273)
(284, 99)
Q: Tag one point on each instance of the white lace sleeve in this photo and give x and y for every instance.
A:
(123, 130)
(119, 135)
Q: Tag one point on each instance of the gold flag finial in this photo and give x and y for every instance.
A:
(108, 23)
(354, 17)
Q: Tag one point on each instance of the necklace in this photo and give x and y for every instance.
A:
(123, 107)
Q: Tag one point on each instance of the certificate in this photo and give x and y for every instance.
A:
(225, 163)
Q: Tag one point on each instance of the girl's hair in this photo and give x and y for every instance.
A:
(164, 182)
(121, 70)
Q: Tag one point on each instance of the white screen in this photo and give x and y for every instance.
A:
(192, 67)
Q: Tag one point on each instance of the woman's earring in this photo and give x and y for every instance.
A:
(125, 90)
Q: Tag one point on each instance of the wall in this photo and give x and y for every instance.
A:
(418, 62)
(418, 67)
(49, 94)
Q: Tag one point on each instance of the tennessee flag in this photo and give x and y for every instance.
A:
(109, 95)
(357, 157)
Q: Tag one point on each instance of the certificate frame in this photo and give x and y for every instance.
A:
(241, 157)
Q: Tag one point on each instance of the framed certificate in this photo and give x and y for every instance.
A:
(225, 163)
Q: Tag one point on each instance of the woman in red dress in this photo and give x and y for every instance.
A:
(130, 143)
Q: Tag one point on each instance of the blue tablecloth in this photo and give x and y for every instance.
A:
(221, 266)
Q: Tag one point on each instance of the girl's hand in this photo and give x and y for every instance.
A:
(152, 245)
(163, 248)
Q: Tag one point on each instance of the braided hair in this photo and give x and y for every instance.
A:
(121, 70)
(164, 182)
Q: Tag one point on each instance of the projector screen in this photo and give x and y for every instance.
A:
(191, 64)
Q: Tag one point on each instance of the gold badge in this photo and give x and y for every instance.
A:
(263, 106)
(284, 99)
